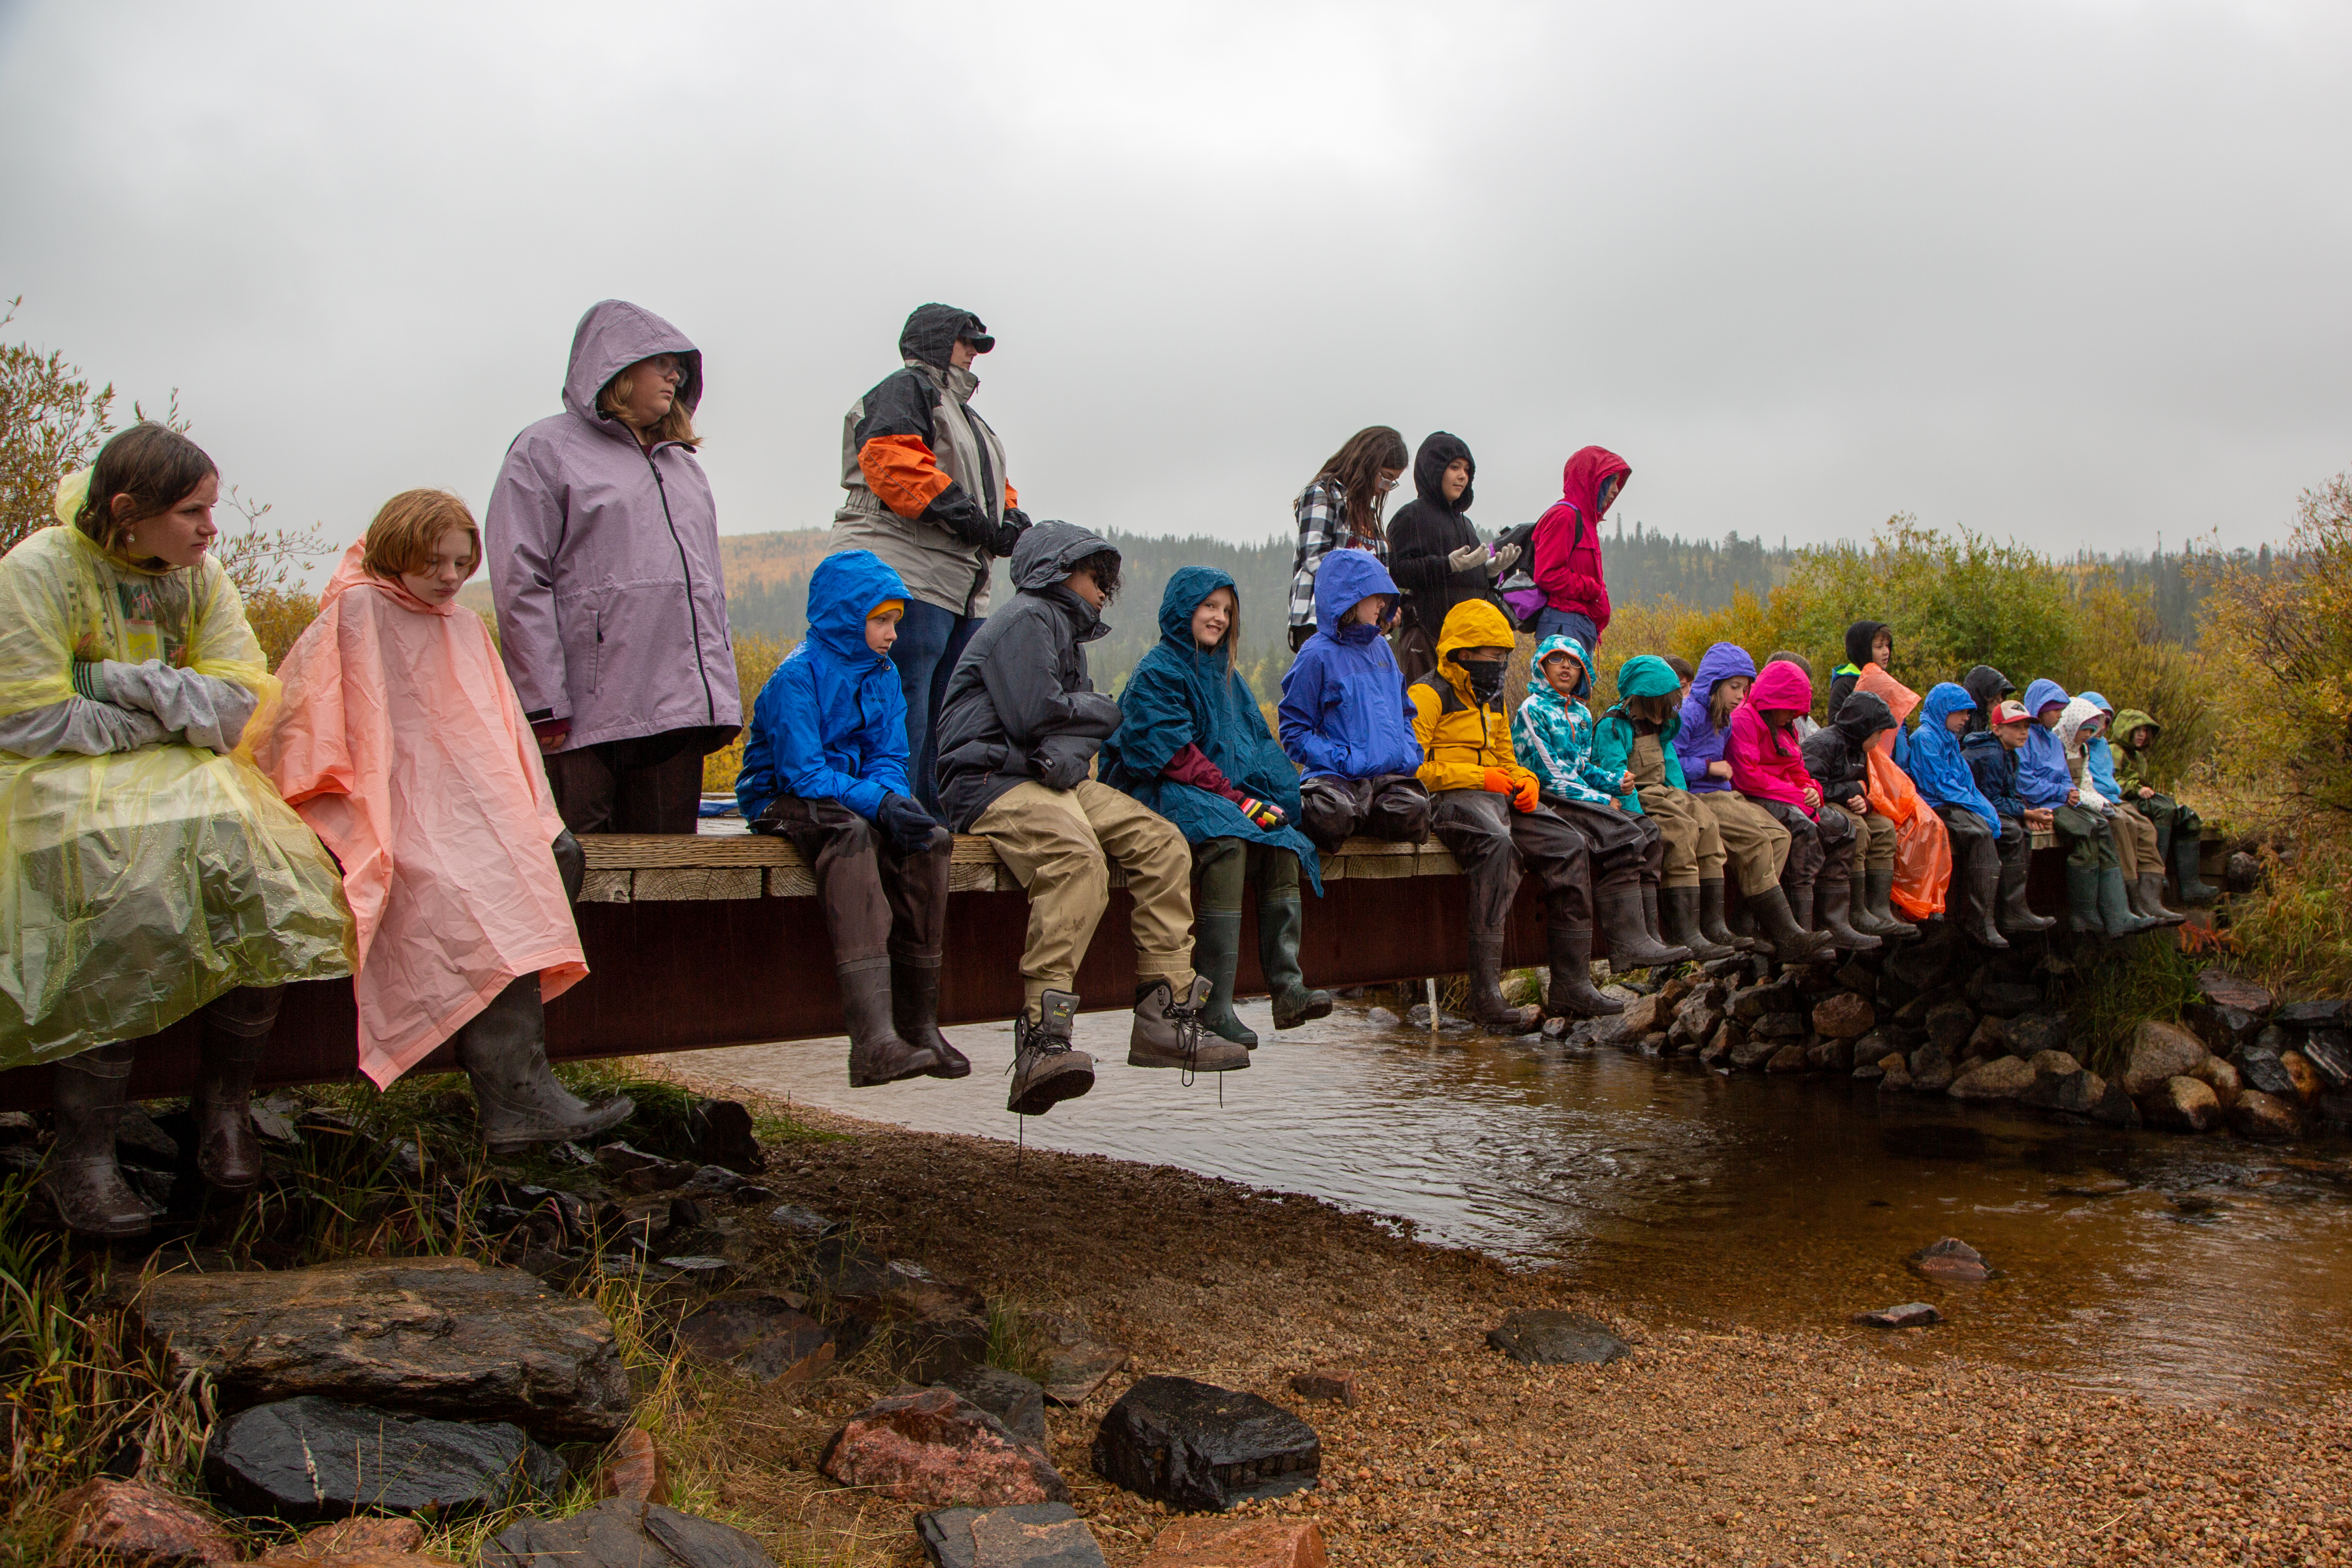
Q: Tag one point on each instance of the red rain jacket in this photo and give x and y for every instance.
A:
(1568, 538)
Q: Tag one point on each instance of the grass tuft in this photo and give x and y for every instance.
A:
(2150, 977)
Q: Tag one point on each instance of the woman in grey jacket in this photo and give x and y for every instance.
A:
(603, 545)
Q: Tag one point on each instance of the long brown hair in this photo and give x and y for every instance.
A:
(152, 466)
(677, 425)
(1356, 469)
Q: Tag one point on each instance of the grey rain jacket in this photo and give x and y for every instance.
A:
(604, 556)
(1020, 705)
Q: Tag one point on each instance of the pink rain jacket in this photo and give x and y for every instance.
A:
(402, 744)
(1769, 764)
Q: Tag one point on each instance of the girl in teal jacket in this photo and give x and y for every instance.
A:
(1635, 741)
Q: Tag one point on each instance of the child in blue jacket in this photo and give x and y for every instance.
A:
(1344, 717)
(825, 767)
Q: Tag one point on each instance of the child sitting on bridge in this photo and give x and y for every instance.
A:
(1018, 734)
(1837, 756)
(2095, 879)
(827, 766)
(1344, 717)
(1867, 643)
(403, 746)
(1992, 755)
(1768, 766)
(1755, 844)
(1980, 844)
(2138, 847)
(1636, 739)
(1194, 748)
(2178, 830)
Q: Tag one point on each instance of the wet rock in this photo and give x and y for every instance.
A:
(2222, 1078)
(1247, 1543)
(1829, 1056)
(2183, 1105)
(634, 1170)
(1778, 1026)
(937, 1447)
(1949, 1025)
(2008, 998)
(1951, 1259)
(17, 1127)
(720, 1133)
(311, 1459)
(2094, 1185)
(2062, 1084)
(1857, 977)
(2312, 1014)
(1019, 1535)
(1326, 1388)
(1751, 1052)
(1869, 1073)
(806, 1224)
(2115, 1108)
(1931, 1070)
(2242, 873)
(1699, 1022)
(138, 1141)
(1845, 1016)
(1996, 1078)
(427, 1335)
(2329, 1052)
(762, 1333)
(1417, 1018)
(1382, 1018)
(2264, 1070)
(2030, 1034)
(634, 1471)
(2265, 1117)
(363, 1533)
(1894, 1074)
(1990, 1038)
(2159, 1051)
(125, 1522)
(1076, 1363)
(1546, 1338)
(2222, 989)
(1007, 1396)
(1719, 1049)
(1920, 963)
(1759, 1001)
(886, 1289)
(1908, 1315)
(2222, 1028)
(618, 1533)
(1195, 1446)
(1791, 1058)
(2308, 1085)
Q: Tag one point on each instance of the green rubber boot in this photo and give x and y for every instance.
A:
(1281, 922)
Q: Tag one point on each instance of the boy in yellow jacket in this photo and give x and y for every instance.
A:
(1485, 807)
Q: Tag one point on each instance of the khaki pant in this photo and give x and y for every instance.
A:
(1694, 849)
(2136, 844)
(1756, 845)
(1060, 843)
(1873, 841)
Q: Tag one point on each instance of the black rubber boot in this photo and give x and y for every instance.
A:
(1281, 922)
(1167, 1032)
(517, 1101)
(2115, 913)
(2195, 891)
(1488, 1008)
(1982, 888)
(2083, 900)
(236, 1028)
(915, 1012)
(1625, 928)
(1678, 917)
(877, 1054)
(1800, 906)
(1790, 942)
(1711, 924)
(1216, 953)
(1572, 995)
(2011, 917)
(84, 1183)
(1835, 897)
(2149, 905)
(1046, 1070)
(1650, 918)
(1878, 892)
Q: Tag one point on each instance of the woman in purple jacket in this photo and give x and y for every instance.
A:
(603, 545)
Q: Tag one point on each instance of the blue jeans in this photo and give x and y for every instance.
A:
(930, 641)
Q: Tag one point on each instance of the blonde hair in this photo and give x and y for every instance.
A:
(406, 532)
(677, 425)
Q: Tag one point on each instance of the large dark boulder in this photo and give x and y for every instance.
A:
(2031, 1034)
(619, 1533)
(2222, 989)
(1543, 1337)
(310, 1458)
(1012, 1398)
(761, 1334)
(1019, 1535)
(1195, 1446)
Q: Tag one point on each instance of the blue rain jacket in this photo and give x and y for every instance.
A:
(2043, 779)
(1994, 768)
(1699, 742)
(1343, 705)
(1643, 676)
(2098, 756)
(1937, 765)
(1184, 695)
(1553, 734)
(831, 723)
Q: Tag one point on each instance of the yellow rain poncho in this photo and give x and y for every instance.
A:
(139, 885)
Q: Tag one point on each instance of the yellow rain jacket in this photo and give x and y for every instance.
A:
(138, 885)
(1459, 738)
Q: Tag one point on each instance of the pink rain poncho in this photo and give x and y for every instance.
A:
(402, 744)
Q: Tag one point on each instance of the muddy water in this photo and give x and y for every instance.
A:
(2181, 1268)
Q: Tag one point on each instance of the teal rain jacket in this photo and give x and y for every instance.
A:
(1553, 734)
(1643, 676)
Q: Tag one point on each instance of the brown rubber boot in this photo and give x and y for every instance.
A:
(915, 1012)
(1835, 897)
(1711, 924)
(235, 1029)
(1572, 993)
(1680, 923)
(83, 1182)
(1625, 926)
(1788, 942)
(517, 1101)
(877, 1054)
(1045, 1070)
(1168, 1032)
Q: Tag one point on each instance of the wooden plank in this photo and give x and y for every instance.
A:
(639, 852)
(658, 884)
(794, 881)
(605, 886)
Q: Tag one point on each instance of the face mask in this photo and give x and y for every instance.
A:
(1486, 677)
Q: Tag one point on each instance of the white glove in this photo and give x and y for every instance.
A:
(1468, 557)
(1503, 559)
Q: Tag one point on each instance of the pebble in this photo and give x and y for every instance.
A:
(1908, 1315)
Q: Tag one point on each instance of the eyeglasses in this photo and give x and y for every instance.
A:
(669, 367)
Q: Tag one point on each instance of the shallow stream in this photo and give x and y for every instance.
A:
(2182, 1268)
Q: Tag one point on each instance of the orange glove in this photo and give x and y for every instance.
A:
(1528, 796)
(1498, 782)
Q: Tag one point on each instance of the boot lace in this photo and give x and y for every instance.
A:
(1186, 1020)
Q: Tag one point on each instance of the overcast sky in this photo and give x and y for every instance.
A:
(2073, 271)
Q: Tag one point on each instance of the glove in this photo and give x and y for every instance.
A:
(905, 824)
(1528, 796)
(1503, 559)
(1497, 782)
(1265, 813)
(1466, 559)
(954, 510)
(1008, 532)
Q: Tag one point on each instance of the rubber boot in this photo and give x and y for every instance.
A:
(1678, 917)
(1281, 922)
(84, 1183)
(2115, 910)
(517, 1100)
(1572, 995)
(2195, 891)
(1800, 906)
(1981, 892)
(235, 1029)
(1046, 1070)
(1710, 918)
(877, 1054)
(1627, 932)
(1833, 897)
(2012, 917)
(1789, 941)
(1650, 918)
(1167, 1032)
(915, 1012)
(2083, 900)
(1488, 1008)
(1216, 953)
(2150, 904)
(1741, 924)
(1878, 892)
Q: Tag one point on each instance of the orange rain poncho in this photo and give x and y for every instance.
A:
(402, 744)
(1923, 849)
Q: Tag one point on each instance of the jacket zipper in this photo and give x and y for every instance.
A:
(693, 616)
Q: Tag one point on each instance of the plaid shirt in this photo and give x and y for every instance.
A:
(1322, 509)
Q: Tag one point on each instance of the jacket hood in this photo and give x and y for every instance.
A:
(2132, 719)
(1783, 686)
(843, 591)
(1048, 551)
(1183, 594)
(1345, 580)
(1864, 715)
(2040, 694)
(1473, 623)
(1438, 452)
(2096, 701)
(1646, 675)
(1944, 700)
(2079, 712)
(932, 330)
(350, 574)
(614, 335)
(1581, 478)
(1858, 638)
(1562, 643)
(1988, 685)
(1719, 663)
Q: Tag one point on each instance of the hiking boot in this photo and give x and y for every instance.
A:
(915, 1012)
(1678, 919)
(2012, 918)
(1833, 895)
(876, 1053)
(1572, 995)
(1216, 953)
(1783, 938)
(1045, 1070)
(2195, 891)
(2116, 917)
(2149, 905)
(84, 1183)
(1625, 926)
(517, 1101)
(1978, 888)
(1168, 1033)
(234, 1028)
(1711, 924)
(1281, 922)
(1878, 892)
